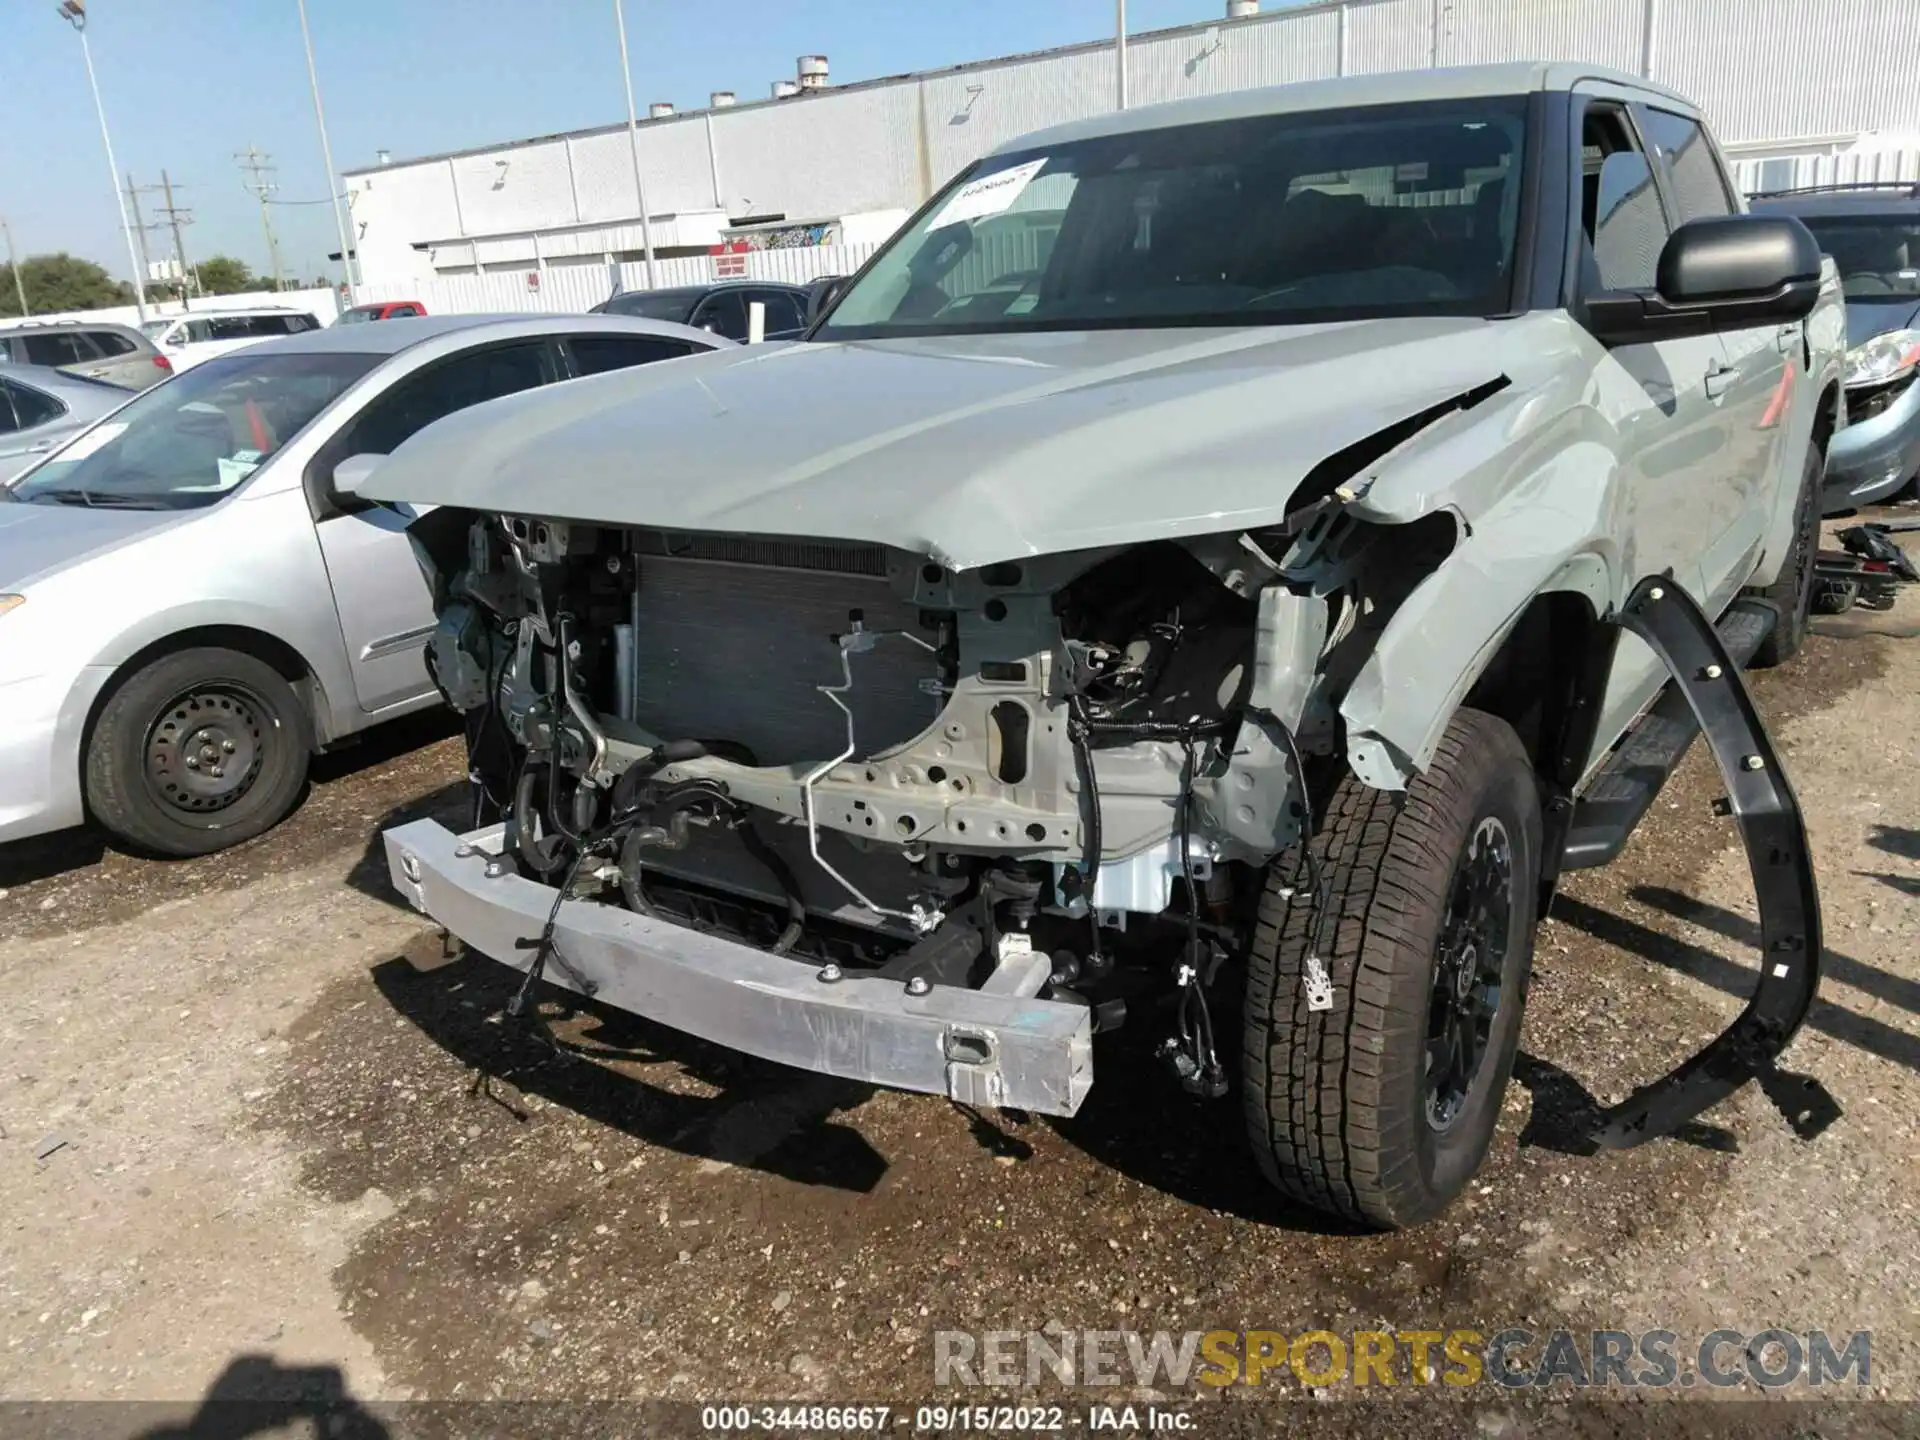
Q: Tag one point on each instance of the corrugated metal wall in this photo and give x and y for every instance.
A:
(1782, 71)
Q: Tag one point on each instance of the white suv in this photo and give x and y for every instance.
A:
(186, 340)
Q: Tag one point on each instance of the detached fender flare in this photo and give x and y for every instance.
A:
(1554, 531)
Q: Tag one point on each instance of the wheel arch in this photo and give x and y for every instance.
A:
(270, 649)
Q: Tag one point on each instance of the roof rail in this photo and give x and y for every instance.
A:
(1910, 187)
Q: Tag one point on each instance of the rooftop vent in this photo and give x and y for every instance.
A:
(660, 110)
(722, 99)
(785, 89)
(813, 72)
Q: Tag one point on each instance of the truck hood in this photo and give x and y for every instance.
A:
(971, 449)
(36, 540)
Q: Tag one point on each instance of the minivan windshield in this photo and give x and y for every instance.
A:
(1266, 220)
(1878, 255)
(193, 439)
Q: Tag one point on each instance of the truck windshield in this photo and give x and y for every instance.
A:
(195, 438)
(1271, 219)
(1878, 255)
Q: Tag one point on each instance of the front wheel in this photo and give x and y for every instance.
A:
(197, 751)
(1792, 591)
(1382, 1108)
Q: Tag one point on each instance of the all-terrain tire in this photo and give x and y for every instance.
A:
(1340, 1103)
(232, 716)
(1792, 590)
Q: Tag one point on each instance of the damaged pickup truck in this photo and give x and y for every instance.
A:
(1216, 567)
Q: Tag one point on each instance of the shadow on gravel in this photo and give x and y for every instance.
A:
(575, 1054)
(1896, 840)
(256, 1395)
(1874, 1036)
(1139, 1122)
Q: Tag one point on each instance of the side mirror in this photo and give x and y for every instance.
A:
(1724, 272)
(822, 293)
(352, 472)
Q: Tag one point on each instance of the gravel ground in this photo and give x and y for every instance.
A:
(260, 1133)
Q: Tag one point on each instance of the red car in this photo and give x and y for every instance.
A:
(381, 310)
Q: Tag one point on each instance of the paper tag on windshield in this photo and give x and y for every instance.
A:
(233, 471)
(95, 439)
(988, 195)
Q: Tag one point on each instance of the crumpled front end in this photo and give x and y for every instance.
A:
(805, 763)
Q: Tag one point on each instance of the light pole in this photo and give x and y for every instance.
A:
(74, 12)
(13, 264)
(1120, 47)
(633, 146)
(348, 259)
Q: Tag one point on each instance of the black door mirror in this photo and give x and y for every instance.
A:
(1724, 272)
(822, 293)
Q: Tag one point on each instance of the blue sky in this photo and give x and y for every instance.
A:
(189, 82)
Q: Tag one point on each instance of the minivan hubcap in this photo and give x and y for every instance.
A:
(1467, 970)
(205, 750)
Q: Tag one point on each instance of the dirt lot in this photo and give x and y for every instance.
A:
(260, 1134)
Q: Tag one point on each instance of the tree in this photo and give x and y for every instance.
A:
(224, 275)
(61, 282)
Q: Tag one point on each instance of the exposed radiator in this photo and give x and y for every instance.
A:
(729, 651)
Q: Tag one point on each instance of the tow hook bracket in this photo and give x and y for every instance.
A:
(1763, 805)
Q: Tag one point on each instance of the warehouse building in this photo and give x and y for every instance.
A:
(810, 179)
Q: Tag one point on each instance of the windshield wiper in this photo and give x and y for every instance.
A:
(101, 499)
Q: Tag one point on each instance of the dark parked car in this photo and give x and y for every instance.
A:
(1873, 234)
(720, 308)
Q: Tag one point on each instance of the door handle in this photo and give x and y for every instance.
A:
(1719, 380)
(40, 447)
(1787, 339)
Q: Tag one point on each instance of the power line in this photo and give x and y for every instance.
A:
(253, 160)
(172, 218)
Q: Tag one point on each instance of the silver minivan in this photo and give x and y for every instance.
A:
(190, 605)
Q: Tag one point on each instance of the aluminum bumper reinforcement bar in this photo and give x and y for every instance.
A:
(998, 1045)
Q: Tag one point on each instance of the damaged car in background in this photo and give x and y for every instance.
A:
(1212, 571)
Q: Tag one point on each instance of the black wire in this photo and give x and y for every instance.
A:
(1077, 735)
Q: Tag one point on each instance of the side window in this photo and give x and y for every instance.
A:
(227, 327)
(31, 407)
(597, 354)
(724, 313)
(56, 349)
(195, 332)
(110, 344)
(439, 390)
(1693, 170)
(783, 311)
(400, 311)
(9, 422)
(263, 327)
(1623, 226)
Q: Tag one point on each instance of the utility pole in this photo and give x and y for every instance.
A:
(254, 161)
(13, 264)
(140, 229)
(172, 217)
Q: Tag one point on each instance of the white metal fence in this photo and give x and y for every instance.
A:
(563, 288)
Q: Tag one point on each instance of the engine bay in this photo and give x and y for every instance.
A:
(857, 757)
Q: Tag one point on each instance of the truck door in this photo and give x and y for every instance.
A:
(386, 611)
(1665, 398)
(1764, 361)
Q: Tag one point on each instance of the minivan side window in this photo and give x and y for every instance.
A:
(27, 407)
(57, 349)
(1699, 187)
(597, 354)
